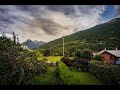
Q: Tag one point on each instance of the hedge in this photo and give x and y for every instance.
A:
(66, 75)
(77, 64)
(109, 74)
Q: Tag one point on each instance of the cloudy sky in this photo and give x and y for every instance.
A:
(49, 22)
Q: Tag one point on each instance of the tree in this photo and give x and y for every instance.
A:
(18, 66)
(86, 53)
(46, 52)
(78, 54)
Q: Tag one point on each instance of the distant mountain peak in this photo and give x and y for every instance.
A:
(32, 43)
(29, 40)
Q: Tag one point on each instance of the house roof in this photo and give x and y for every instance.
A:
(94, 53)
(113, 52)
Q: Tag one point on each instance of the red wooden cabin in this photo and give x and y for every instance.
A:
(110, 56)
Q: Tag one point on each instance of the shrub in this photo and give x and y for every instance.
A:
(109, 74)
(76, 63)
(98, 58)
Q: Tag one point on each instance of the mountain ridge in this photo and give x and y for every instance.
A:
(105, 35)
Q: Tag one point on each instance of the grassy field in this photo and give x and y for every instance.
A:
(53, 58)
(47, 79)
(50, 58)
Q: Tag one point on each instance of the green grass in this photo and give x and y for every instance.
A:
(86, 78)
(47, 79)
(53, 58)
(40, 58)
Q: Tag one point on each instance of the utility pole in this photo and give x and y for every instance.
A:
(17, 39)
(63, 46)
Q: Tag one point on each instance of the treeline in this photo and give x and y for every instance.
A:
(76, 53)
(17, 66)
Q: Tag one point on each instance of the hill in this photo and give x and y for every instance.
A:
(106, 35)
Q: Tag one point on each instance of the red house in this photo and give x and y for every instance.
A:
(110, 56)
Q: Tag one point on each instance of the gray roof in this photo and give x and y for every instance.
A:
(113, 52)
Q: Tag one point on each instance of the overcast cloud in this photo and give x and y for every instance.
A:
(49, 22)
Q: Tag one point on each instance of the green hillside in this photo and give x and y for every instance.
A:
(106, 35)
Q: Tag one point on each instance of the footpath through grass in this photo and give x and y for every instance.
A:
(48, 78)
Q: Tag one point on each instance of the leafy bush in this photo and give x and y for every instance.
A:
(109, 74)
(31, 65)
(98, 58)
(77, 64)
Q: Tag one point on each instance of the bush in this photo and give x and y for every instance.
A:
(98, 58)
(77, 64)
(109, 74)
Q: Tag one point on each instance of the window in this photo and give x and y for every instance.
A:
(111, 57)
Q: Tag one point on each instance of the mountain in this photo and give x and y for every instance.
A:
(32, 44)
(106, 35)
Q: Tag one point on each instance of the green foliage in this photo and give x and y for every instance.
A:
(39, 55)
(86, 53)
(17, 66)
(31, 65)
(46, 52)
(66, 75)
(73, 77)
(10, 66)
(48, 78)
(109, 74)
(78, 54)
(98, 58)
